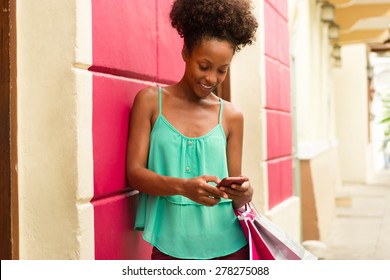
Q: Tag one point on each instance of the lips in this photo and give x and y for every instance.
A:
(206, 87)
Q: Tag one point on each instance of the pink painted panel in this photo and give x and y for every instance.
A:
(282, 7)
(278, 101)
(273, 136)
(170, 64)
(271, 31)
(273, 3)
(285, 89)
(274, 183)
(277, 86)
(283, 41)
(273, 83)
(287, 181)
(279, 134)
(130, 39)
(280, 181)
(112, 100)
(124, 38)
(286, 134)
(115, 238)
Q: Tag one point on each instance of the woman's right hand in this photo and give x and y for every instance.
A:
(199, 190)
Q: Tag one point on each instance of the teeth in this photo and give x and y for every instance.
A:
(207, 87)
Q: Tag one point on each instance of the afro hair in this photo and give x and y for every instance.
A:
(230, 20)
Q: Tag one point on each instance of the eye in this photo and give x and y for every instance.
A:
(203, 67)
(223, 70)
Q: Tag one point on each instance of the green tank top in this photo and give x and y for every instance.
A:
(176, 225)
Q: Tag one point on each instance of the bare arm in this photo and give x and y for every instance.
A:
(143, 113)
(240, 194)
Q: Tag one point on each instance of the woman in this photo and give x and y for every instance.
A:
(183, 139)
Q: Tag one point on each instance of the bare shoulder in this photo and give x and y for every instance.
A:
(146, 95)
(233, 120)
(232, 113)
(147, 100)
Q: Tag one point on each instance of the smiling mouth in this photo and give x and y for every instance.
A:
(206, 87)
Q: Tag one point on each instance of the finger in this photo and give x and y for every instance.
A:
(210, 200)
(232, 192)
(246, 178)
(246, 184)
(214, 179)
(243, 187)
(224, 192)
(237, 194)
(213, 191)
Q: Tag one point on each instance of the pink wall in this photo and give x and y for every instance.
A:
(278, 101)
(133, 46)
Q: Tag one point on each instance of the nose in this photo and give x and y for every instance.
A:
(212, 78)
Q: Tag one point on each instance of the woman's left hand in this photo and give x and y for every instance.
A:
(240, 194)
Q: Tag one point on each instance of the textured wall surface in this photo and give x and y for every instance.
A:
(133, 46)
(278, 101)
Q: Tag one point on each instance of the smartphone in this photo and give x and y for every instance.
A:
(228, 181)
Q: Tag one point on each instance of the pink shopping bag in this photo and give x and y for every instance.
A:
(266, 240)
(257, 248)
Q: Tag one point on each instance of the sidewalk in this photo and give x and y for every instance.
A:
(361, 227)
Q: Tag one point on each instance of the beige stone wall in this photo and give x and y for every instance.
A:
(317, 139)
(352, 113)
(54, 129)
(248, 93)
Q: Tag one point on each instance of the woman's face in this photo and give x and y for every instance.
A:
(207, 65)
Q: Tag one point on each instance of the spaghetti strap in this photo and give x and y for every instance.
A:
(220, 111)
(160, 100)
